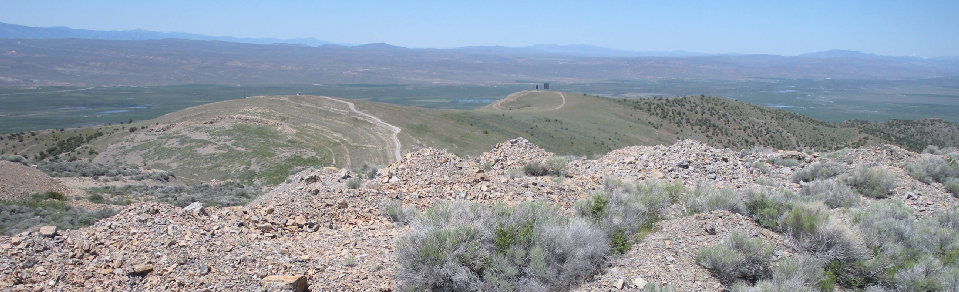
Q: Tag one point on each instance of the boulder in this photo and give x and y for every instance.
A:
(284, 283)
(48, 231)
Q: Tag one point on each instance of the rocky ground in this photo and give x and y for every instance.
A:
(18, 181)
(314, 230)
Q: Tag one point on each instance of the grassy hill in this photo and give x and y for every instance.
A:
(260, 140)
(255, 140)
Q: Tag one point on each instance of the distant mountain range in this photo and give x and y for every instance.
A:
(13, 31)
(61, 56)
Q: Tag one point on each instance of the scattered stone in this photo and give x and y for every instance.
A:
(141, 269)
(284, 283)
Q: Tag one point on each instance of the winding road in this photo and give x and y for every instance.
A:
(372, 119)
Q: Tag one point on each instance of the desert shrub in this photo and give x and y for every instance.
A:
(801, 273)
(98, 170)
(396, 212)
(810, 229)
(704, 199)
(529, 247)
(832, 192)
(911, 255)
(354, 183)
(15, 158)
(932, 149)
(737, 258)
(657, 287)
(624, 210)
(817, 171)
(368, 171)
(952, 185)
(45, 209)
(783, 161)
(555, 166)
(766, 206)
(224, 194)
(928, 169)
(874, 182)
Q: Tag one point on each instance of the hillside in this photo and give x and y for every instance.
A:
(317, 231)
(260, 140)
(256, 140)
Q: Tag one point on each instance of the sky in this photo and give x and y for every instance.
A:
(900, 28)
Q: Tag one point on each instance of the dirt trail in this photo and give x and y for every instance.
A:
(372, 119)
(561, 105)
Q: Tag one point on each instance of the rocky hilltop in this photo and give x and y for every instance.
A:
(325, 228)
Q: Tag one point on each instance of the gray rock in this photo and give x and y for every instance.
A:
(196, 208)
(48, 231)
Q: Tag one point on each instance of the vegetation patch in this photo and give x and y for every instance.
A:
(554, 166)
(529, 247)
(224, 194)
(875, 182)
(739, 258)
(48, 208)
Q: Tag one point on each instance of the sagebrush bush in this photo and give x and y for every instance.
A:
(555, 166)
(737, 258)
(800, 273)
(396, 212)
(224, 194)
(45, 209)
(15, 158)
(354, 183)
(952, 185)
(623, 210)
(876, 182)
(529, 247)
(809, 228)
(832, 192)
(97, 170)
(928, 169)
(704, 198)
(766, 205)
(818, 171)
(911, 255)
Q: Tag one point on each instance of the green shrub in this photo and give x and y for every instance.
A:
(554, 166)
(45, 209)
(832, 192)
(766, 206)
(465, 246)
(15, 158)
(224, 194)
(354, 183)
(801, 273)
(928, 169)
(705, 199)
(737, 258)
(874, 182)
(96, 198)
(911, 255)
(787, 162)
(952, 185)
(624, 210)
(817, 171)
(810, 229)
(396, 212)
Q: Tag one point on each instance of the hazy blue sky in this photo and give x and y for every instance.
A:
(920, 28)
